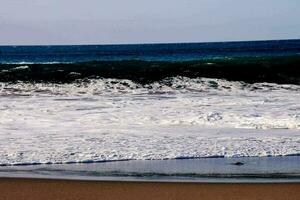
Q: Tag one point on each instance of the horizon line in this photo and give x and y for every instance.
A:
(150, 43)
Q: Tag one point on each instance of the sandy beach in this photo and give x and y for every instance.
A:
(36, 189)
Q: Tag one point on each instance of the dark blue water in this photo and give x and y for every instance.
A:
(149, 52)
(258, 61)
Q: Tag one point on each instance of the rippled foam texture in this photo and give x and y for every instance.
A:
(118, 119)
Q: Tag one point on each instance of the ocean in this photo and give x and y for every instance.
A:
(100, 103)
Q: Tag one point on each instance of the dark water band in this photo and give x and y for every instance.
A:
(281, 69)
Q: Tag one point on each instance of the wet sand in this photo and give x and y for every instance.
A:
(43, 189)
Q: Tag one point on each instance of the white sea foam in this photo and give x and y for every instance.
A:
(111, 119)
(23, 67)
(30, 63)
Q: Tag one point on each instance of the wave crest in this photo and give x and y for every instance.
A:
(281, 69)
(124, 86)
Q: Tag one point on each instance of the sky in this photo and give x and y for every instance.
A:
(48, 22)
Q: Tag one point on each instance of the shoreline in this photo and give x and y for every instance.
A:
(202, 170)
(34, 189)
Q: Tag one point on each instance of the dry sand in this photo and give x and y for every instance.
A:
(41, 189)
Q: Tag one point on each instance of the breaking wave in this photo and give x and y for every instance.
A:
(110, 86)
(278, 69)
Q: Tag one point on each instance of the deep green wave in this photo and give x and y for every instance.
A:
(282, 70)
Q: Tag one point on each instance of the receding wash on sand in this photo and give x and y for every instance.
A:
(229, 105)
(283, 169)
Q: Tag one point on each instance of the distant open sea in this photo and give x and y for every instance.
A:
(99, 103)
